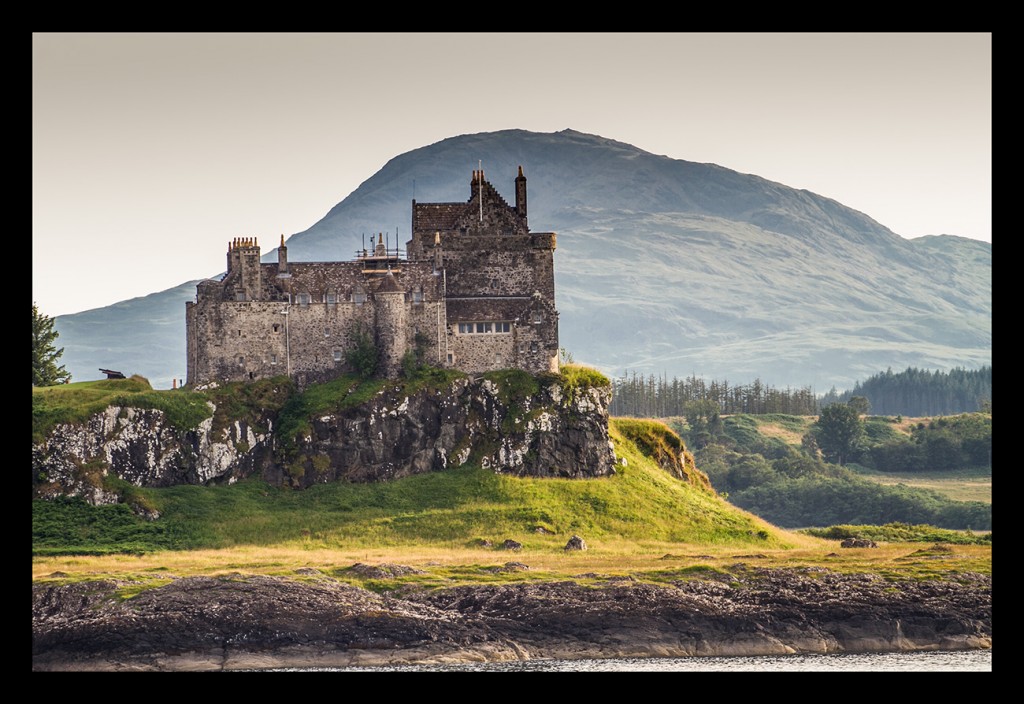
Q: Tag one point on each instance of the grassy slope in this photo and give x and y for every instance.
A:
(969, 484)
(641, 521)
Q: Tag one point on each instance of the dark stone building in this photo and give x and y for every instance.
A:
(475, 291)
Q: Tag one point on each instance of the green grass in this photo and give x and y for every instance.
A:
(75, 403)
(451, 508)
(576, 377)
(437, 520)
(902, 533)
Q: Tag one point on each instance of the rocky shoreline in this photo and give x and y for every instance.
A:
(245, 622)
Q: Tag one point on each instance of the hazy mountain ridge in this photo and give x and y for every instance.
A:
(663, 266)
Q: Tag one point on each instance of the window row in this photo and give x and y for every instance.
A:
(485, 327)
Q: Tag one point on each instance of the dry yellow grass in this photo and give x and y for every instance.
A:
(774, 430)
(956, 488)
(615, 558)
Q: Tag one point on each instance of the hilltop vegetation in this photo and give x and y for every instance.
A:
(773, 465)
(659, 505)
(642, 502)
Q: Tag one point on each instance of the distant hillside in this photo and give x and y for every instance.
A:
(663, 266)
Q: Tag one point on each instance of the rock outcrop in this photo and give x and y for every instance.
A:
(242, 622)
(545, 431)
(140, 446)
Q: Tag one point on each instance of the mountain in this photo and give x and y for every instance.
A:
(663, 266)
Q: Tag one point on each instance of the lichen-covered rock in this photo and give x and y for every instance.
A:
(139, 446)
(576, 543)
(394, 435)
(544, 433)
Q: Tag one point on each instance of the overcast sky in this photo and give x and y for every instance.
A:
(151, 151)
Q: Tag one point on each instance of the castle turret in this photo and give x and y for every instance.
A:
(392, 320)
(244, 276)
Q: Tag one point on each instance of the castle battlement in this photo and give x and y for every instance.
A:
(475, 291)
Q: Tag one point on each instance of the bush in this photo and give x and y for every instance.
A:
(363, 356)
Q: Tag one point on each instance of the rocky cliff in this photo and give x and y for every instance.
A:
(239, 622)
(511, 422)
(525, 429)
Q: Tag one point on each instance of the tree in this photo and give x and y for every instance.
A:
(839, 430)
(705, 421)
(862, 405)
(45, 355)
(363, 355)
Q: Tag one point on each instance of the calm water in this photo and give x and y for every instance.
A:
(933, 661)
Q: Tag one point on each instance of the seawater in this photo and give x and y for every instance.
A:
(928, 661)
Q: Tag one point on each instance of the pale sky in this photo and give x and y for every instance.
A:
(151, 151)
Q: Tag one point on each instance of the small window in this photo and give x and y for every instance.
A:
(417, 296)
(538, 317)
(465, 327)
(450, 358)
(277, 327)
(304, 299)
(497, 359)
(273, 359)
(327, 332)
(331, 298)
(337, 355)
(359, 297)
(502, 327)
(240, 296)
(534, 347)
(480, 327)
(241, 360)
(239, 333)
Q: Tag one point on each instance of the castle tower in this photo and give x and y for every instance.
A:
(392, 320)
(244, 276)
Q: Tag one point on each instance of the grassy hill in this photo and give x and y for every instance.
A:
(656, 518)
(962, 484)
(456, 508)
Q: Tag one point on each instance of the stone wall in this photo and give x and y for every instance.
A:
(232, 340)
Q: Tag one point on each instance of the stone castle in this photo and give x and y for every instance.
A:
(475, 291)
